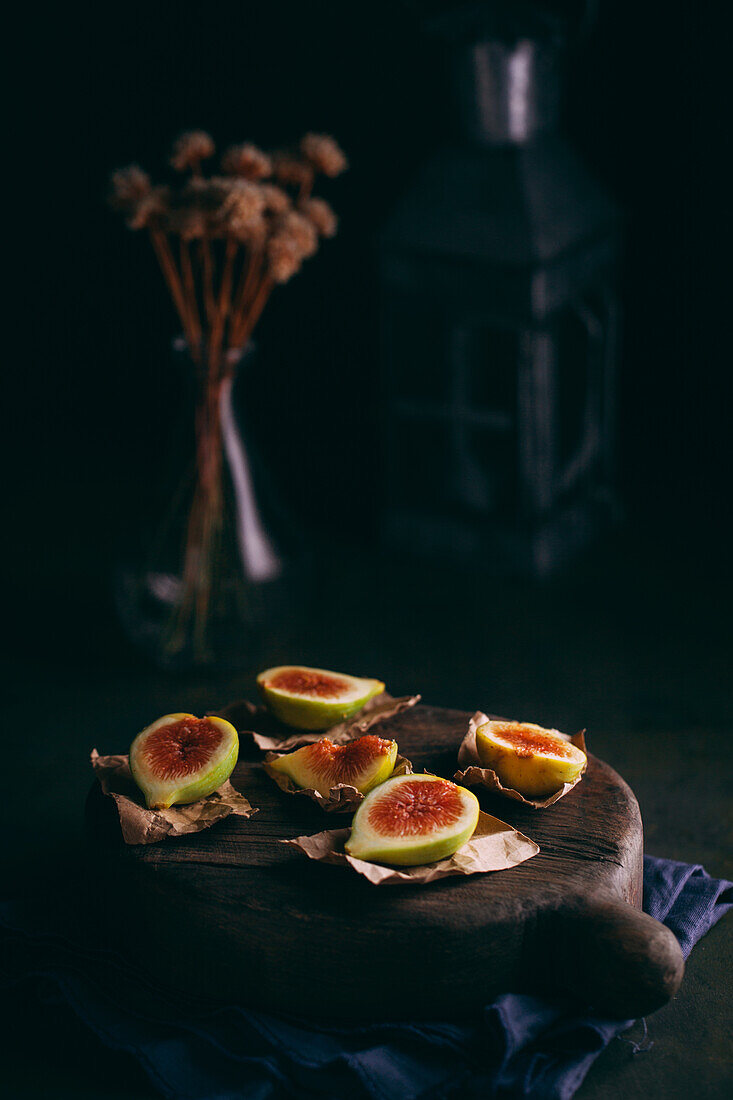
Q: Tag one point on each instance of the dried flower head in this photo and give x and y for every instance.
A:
(321, 215)
(277, 201)
(283, 258)
(128, 186)
(213, 192)
(190, 222)
(277, 222)
(190, 149)
(149, 208)
(300, 231)
(247, 161)
(193, 207)
(210, 199)
(242, 204)
(252, 233)
(324, 153)
(290, 169)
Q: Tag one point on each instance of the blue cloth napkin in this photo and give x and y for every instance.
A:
(521, 1046)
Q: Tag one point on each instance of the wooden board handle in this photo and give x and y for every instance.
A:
(617, 959)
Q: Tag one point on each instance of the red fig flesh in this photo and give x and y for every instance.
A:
(528, 758)
(413, 819)
(181, 758)
(363, 763)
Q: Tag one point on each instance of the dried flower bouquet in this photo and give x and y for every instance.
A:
(224, 242)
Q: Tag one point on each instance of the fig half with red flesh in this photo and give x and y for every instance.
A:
(181, 758)
(528, 758)
(411, 820)
(363, 763)
(314, 698)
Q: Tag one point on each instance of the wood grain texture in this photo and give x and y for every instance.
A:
(233, 914)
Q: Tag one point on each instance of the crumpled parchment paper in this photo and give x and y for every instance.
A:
(143, 826)
(494, 846)
(474, 774)
(271, 735)
(341, 799)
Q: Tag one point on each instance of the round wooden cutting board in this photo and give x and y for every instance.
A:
(232, 914)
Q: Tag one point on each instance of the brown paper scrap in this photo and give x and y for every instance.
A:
(341, 799)
(494, 846)
(474, 774)
(143, 826)
(269, 734)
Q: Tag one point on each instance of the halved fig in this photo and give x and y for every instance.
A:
(363, 763)
(413, 819)
(181, 758)
(313, 698)
(528, 758)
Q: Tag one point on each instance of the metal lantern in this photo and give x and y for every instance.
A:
(498, 271)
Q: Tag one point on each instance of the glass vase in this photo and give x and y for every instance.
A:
(212, 567)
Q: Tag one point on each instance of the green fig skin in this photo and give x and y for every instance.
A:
(162, 793)
(315, 712)
(411, 851)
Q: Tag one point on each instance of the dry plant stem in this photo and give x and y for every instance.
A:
(203, 523)
(208, 262)
(189, 286)
(225, 290)
(247, 282)
(252, 289)
(252, 316)
(211, 518)
(223, 306)
(239, 291)
(172, 278)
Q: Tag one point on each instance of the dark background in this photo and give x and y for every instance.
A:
(633, 642)
(92, 392)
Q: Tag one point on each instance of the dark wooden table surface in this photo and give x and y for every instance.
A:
(632, 646)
